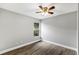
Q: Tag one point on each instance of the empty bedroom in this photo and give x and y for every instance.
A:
(38, 29)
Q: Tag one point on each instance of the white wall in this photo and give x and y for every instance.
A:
(61, 29)
(15, 29)
(78, 28)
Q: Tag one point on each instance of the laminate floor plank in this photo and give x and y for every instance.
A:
(41, 48)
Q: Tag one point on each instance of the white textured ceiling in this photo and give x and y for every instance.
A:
(29, 9)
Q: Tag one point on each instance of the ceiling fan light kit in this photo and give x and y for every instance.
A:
(46, 10)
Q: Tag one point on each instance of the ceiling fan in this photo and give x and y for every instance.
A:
(46, 9)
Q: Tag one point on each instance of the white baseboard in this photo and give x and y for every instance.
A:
(10, 49)
(60, 45)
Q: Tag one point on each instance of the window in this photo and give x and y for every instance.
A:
(36, 29)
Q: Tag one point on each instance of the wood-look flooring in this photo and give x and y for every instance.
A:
(41, 48)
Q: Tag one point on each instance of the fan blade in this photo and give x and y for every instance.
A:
(38, 12)
(53, 7)
(51, 12)
(41, 7)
